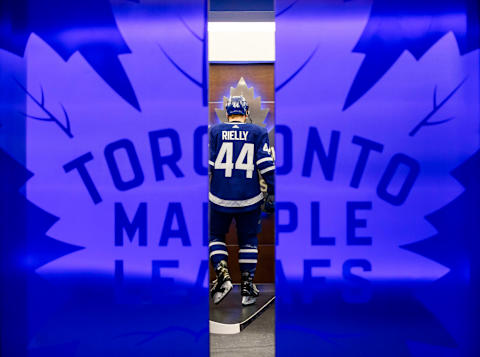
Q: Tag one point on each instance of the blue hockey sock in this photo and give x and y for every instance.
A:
(248, 254)
(218, 250)
(247, 258)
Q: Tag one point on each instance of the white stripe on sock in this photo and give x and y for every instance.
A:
(216, 243)
(248, 250)
(223, 252)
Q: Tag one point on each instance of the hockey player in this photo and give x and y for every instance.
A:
(239, 151)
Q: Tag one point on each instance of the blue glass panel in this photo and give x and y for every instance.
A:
(104, 255)
(378, 178)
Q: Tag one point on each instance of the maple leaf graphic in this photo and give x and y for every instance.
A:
(86, 26)
(257, 114)
(457, 246)
(396, 26)
(25, 248)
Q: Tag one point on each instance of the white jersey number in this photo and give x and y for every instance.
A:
(224, 159)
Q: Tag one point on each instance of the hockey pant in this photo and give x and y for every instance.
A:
(248, 226)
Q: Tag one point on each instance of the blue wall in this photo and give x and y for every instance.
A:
(105, 252)
(377, 181)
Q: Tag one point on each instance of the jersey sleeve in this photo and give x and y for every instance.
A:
(213, 151)
(264, 161)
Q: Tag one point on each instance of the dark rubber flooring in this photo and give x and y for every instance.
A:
(257, 339)
(231, 311)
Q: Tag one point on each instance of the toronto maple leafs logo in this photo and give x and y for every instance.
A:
(356, 155)
(257, 113)
(82, 124)
(345, 270)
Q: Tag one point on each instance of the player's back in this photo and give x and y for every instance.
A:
(235, 149)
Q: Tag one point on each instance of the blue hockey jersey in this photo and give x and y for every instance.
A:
(238, 153)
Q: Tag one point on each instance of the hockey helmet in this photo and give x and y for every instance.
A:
(237, 105)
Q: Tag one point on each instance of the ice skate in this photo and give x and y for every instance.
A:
(249, 290)
(223, 284)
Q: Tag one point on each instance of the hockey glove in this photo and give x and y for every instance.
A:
(269, 204)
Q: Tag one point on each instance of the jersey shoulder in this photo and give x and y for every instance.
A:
(215, 128)
(257, 130)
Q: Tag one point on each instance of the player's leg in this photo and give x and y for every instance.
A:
(219, 224)
(248, 226)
